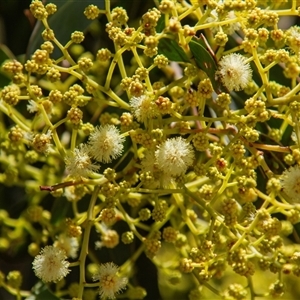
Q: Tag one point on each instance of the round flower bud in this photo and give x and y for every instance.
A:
(48, 34)
(51, 8)
(33, 249)
(85, 63)
(170, 234)
(166, 6)
(127, 237)
(77, 37)
(55, 96)
(10, 94)
(200, 141)
(14, 279)
(53, 74)
(91, 12)
(75, 115)
(12, 67)
(38, 10)
(104, 54)
(48, 46)
(152, 247)
(108, 216)
(119, 16)
(144, 214)
(16, 134)
(41, 142)
(161, 61)
(40, 56)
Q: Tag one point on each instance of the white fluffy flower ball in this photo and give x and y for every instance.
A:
(109, 282)
(143, 108)
(290, 182)
(51, 265)
(78, 162)
(174, 156)
(234, 72)
(106, 143)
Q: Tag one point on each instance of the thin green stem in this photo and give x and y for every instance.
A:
(85, 243)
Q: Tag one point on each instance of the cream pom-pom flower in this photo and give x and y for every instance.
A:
(78, 162)
(106, 143)
(143, 108)
(110, 283)
(51, 264)
(290, 182)
(68, 244)
(174, 156)
(234, 71)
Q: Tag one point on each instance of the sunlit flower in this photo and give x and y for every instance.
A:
(78, 162)
(32, 106)
(109, 239)
(68, 244)
(106, 143)
(110, 283)
(290, 182)
(174, 156)
(143, 108)
(234, 72)
(293, 38)
(50, 264)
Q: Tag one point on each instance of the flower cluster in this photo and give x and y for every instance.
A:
(171, 148)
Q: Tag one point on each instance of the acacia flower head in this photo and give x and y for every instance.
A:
(174, 156)
(68, 244)
(290, 182)
(293, 38)
(234, 72)
(106, 143)
(143, 108)
(78, 162)
(109, 238)
(51, 265)
(109, 282)
(32, 106)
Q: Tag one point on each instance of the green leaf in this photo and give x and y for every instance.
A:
(160, 24)
(68, 18)
(172, 50)
(41, 292)
(206, 61)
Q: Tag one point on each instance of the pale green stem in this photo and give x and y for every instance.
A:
(216, 24)
(129, 222)
(85, 243)
(224, 185)
(60, 122)
(117, 57)
(73, 139)
(15, 116)
(287, 97)
(137, 58)
(205, 205)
